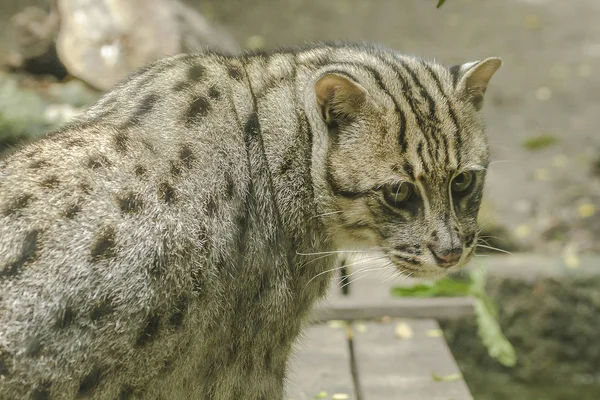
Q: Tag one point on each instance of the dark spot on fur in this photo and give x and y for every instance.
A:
(5, 362)
(42, 392)
(17, 204)
(140, 170)
(214, 93)
(33, 347)
(251, 127)
(130, 203)
(85, 188)
(39, 164)
(286, 164)
(51, 182)
(31, 153)
(150, 331)
(211, 207)
(65, 317)
(90, 382)
(101, 309)
(29, 250)
(72, 210)
(149, 146)
(196, 72)
(98, 161)
(186, 156)
(175, 169)
(176, 319)
(181, 86)
(144, 107)
(166, 192)
(121, 141)
(234, 72)
(127, 392)
(103, 245)
(198, 108)
(75, 142)
(269, 360)
(229, 186)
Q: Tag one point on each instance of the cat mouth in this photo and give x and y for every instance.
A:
(411, 267)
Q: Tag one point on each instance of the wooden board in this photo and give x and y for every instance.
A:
(321, 363)
(403, 368)
(354, 308)
(370, 297)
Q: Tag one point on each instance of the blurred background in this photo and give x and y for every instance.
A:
(542, 110)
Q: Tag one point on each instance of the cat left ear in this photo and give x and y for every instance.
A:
(339, 98)
(473, 79)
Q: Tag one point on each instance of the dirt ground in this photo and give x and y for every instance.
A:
(549, 86)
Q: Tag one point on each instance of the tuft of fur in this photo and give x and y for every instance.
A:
(171, 242)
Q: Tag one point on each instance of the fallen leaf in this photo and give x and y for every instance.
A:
(340, 396)
(446, 378)
(586, 210)
(531, 21)
(434, 333)
(321, 395)
(523, 231)
(403, 331)
(539, 142)
(336, 324)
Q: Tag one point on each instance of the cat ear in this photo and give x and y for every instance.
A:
(471, 79)
(339, 98)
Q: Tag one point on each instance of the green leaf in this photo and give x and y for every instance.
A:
(539, 142)
(446, 287)
(446, 378)
(440, 3)
(488, 327)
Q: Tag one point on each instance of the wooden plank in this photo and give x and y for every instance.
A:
(394, 368)
(353, 308)
(370, 297)
(321, 363)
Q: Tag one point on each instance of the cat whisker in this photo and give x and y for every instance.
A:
(327, 214)
(495, 249)
(343, 266)
(501, 161)
(332, 252)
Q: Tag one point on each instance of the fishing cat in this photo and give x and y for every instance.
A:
(169, 244)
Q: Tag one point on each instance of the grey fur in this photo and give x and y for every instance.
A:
(157, 248)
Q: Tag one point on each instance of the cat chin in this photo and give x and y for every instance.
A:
(425, 271)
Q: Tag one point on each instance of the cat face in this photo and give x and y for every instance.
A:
(406, 161)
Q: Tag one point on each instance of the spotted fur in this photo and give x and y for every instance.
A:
(157, 247)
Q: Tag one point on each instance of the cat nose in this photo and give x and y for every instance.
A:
(446, 258)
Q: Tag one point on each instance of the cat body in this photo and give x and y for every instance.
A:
(170, 243)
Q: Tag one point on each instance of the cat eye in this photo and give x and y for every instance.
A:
(398, 194)
(462, 182)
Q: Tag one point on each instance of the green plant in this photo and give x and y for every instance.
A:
(486, 314)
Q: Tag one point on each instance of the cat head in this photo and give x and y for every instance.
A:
(405, 160)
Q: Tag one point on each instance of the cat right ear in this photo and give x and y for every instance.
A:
(471, 79)
(339, 98)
